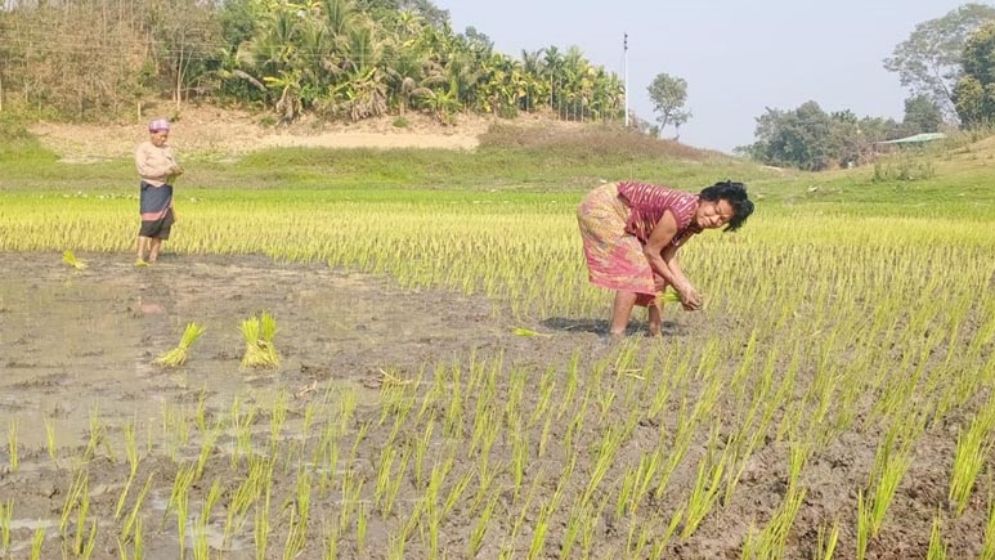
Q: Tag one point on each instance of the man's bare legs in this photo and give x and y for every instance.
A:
(154, 245)
(143, 247)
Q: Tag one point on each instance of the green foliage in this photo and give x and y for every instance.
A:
(922, 114)
(928, 61)
(342, 59)
(974, 95)
(811, 139)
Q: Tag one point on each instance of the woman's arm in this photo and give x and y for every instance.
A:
(670, 257)
(654, 249)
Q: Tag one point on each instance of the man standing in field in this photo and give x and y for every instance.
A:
(157, 167)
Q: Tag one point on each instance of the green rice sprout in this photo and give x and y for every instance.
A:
(480, 528)
(988, 549)
(178, 356)
(12, 445)
(69, 258)
(6, 515)
(134, 520)
(863, 525)
(825, 543)
(50, 444)
(522, 331)
(937, 548)
(37, 541)
(258, 333)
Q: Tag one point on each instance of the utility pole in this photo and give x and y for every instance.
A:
(625, 73)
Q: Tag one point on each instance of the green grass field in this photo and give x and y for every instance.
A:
(843, 374)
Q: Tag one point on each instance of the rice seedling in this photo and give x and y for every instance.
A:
(201, 548)
(937, 548)
(988, 547)
(421, 448)
(73, 495)
(37, 542)
(519, 459)
(352, 489)
(70, 260)
(891, 475)
(637, 540)
(50, 443)
(278, 417)
(973, 446)
(659, 549)
(200, 413)
(6, 515)
(705, 490)
(480, 527)
(579, 522)
(863, 525)
(362, 521)
(825, 543)
(454, 412)
(331, 548)
(132, 524)
(137, 545)
(87, 548)
(207, 446)
(771, 541)
(97, 437)
(178, 356)
(82, 515)
(12, 445)
(262, 528)
(258, 333)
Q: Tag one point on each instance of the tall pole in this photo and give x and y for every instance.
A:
(625, 73)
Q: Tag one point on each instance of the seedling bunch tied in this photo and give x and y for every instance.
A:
(178, 356)
(69, 258)
(258, 333)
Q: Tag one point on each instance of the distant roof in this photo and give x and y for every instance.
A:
(915, 139)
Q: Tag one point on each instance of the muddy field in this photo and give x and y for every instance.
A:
(76, 351)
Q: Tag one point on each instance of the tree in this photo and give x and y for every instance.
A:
(809, 138)
(975, 92)
(669, 94)
(928, 62)
(922, 114)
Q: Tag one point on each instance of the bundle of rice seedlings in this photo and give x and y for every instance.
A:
(178, 356)
(670, 296)
(522, 331)
(70, 259)
(258, 334)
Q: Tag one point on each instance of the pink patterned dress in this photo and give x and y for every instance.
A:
(616, 220)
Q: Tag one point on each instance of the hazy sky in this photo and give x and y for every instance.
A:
(738, 57)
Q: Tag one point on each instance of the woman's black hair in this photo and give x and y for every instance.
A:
(735, 195)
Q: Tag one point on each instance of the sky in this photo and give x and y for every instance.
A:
(738, 57)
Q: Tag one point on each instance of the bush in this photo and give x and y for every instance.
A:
(904, 167)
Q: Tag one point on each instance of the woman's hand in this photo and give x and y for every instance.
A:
(690, 298)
